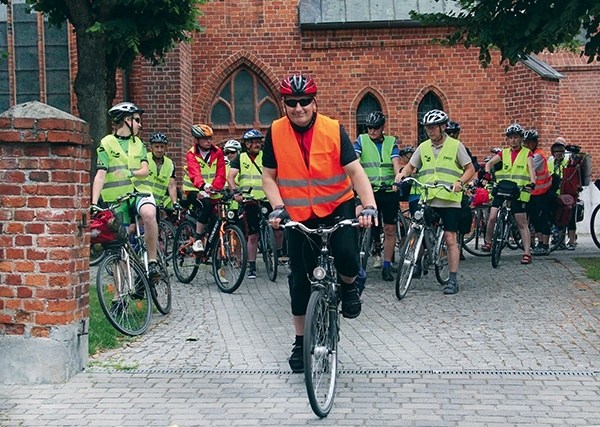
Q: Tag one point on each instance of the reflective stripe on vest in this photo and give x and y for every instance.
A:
(322, 186)
(159, 181)
(249, 176)
(209, 172)
(543, 179)
(378, 167)
(441, 169)
(517, 171)
(125, 163)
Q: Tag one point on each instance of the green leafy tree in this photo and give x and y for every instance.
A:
(110, 35)
(520, 27)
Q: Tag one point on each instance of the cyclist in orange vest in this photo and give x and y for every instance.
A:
(538, 208)
(309, 168)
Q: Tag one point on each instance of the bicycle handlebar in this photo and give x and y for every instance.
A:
(322, 229)
(420, 184)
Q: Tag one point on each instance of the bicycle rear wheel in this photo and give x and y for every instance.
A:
(475, 239)
(161, 290)
(185, 260)
(365, 246)
(320, 352)
(269, 252)
(408, 260)
(498, 239)
(124, 300)
(442, 272)
(166, 238)
(229, 259)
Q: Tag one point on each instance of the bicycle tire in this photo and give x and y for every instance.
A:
(365, 240)
(96, 256)
(408, 261)
(595, 226)
(166, 238)
(229, 259)
(128, 310)
(498, 239)
(269, 251)
(320, 352)
(514, 240)
(161, 290)
(402, 226)
(442, 272)
(185, 260)
(475, 239)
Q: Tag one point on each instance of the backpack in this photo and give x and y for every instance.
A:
(564, 209)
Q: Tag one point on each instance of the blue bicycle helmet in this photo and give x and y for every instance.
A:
(252, 134)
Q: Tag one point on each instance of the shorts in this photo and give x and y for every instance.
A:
(449, 218)
(388, 203)
(131, 207)
(516, 206)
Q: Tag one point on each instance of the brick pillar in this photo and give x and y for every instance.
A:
(44, 247)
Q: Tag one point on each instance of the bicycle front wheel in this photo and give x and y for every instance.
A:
(185, 260)
(320, 352)
(161, 290)
(97, 254)
(269, 252)
(365, 246)
(166, 238)
(475, 238)
(408, 261)
(229, 259)
(125, 299)
(442, 272)
(498, 239)
(595, 226)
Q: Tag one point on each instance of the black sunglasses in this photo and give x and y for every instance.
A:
(373, 127)
(304, 102)
(138, 119)
(230, 152)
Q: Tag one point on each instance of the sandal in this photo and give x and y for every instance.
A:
(487, 247)
(526, 259)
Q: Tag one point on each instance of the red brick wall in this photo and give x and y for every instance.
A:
(44, 190)
(398, 65)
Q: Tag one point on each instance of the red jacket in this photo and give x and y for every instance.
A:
(193, 167)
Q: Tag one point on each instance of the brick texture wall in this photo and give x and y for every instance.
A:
(397, 65)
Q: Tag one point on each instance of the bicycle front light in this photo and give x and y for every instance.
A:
(264, 210)
(319, 273)
(418, 214)
(230, 214)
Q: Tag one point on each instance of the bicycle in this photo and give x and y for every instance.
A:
(505, 222)
(266, 239)
(124, 290)
(425, 230)
(321, 325)
(225, 248)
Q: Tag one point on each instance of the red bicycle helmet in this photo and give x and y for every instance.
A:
(298, 85)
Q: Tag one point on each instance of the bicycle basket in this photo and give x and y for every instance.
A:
(105, 227)
(506, 190)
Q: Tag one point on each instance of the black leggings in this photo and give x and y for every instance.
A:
(304, 254)
(204, 207)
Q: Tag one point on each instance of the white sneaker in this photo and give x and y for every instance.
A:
(198, 246)
(377, 261)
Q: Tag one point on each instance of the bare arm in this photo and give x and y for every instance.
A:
(231, 178)
(492, 162)
(172, 190)
(98, 184)
(269, 182)
(531, 169)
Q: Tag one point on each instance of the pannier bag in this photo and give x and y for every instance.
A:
(481, 197)
(506, 189)
(105, 227)
(579, 211)
(564, 209)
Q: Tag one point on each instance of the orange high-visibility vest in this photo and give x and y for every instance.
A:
(321, 187)
(543, 178)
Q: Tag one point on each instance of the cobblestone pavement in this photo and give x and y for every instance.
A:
(518, 345)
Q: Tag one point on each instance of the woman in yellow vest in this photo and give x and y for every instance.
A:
(309, 167)
(123, 168)
(540, 203)
(443, 159)
(517, 166)
(204, 172)
(162, 172)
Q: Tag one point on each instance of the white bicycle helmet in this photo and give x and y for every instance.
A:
(515, 129)
(124, 109)
(232, 144)
(434, 117)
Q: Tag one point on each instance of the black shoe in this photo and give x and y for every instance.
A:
(386, 274)
(153, 272)
(297, 359)
(140, 291)
(451, 288)
(351, 305)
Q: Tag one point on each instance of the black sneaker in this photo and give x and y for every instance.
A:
(351, 305)
(451, 288)
(386, 274)
(153, 271)
(297, 359)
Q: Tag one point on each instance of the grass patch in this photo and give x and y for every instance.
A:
(102, 335)
(592, 267)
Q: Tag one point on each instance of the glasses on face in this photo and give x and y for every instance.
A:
(558, 152)
(255, 141)
(138, 120)
(304, 102)
(373, 127)
(229, 152)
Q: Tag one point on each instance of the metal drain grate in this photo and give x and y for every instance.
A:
(347, 372)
